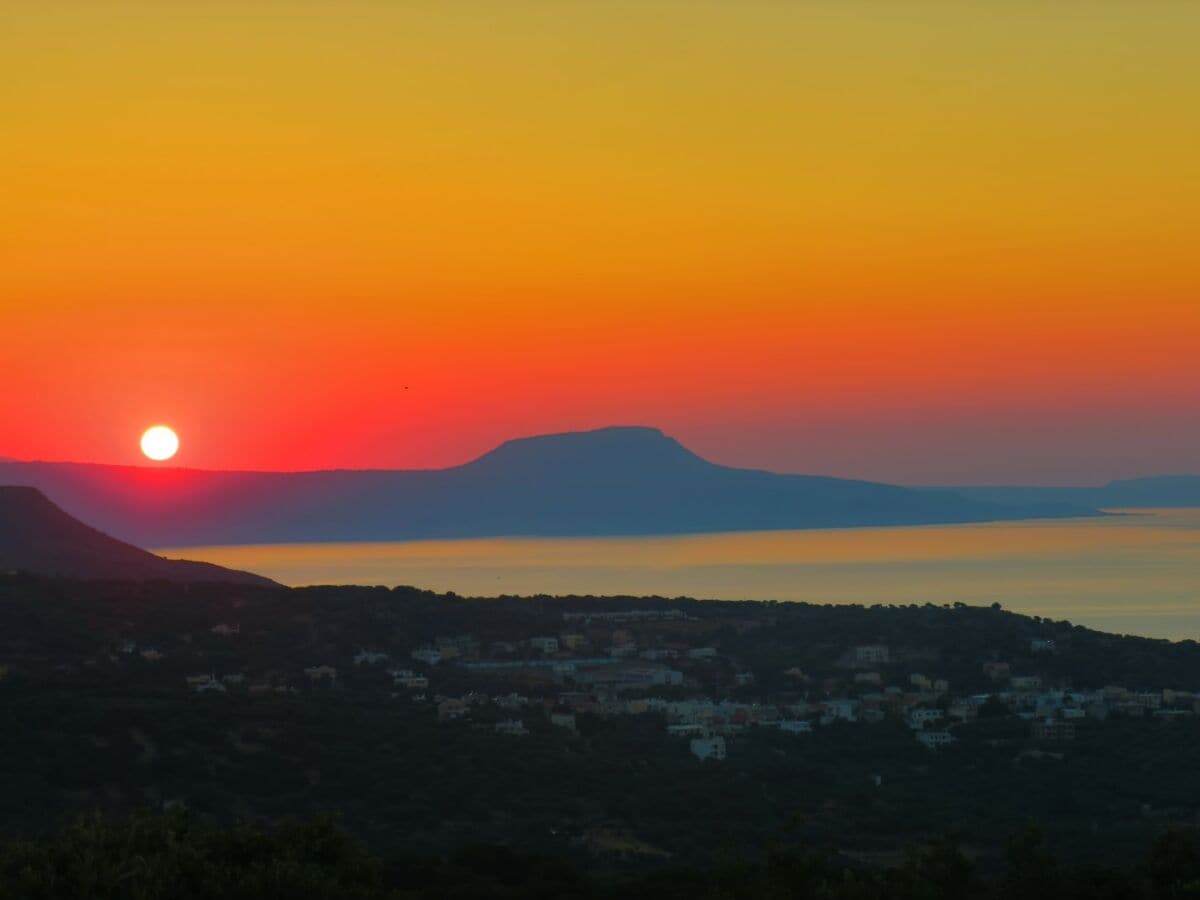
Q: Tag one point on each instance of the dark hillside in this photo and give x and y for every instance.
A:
(38, 537)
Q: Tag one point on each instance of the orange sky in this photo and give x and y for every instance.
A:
(913, 241)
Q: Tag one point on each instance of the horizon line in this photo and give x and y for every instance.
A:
(150, 467)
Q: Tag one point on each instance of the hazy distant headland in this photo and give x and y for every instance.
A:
(1164, 491)
(614, 481)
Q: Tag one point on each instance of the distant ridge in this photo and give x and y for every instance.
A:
(39, 538)
(624, 480)
(1159, 491)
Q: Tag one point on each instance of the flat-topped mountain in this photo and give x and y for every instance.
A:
(614, 481)
(625, 451)
(38, 537)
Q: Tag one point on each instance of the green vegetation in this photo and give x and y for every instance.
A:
(91, 724)
(172, 856)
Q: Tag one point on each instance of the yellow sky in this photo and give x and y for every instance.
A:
(451, 146)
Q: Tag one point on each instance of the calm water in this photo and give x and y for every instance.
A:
(1137, 573)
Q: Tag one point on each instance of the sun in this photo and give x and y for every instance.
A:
(160, 443)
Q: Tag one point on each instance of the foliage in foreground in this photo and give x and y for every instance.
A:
(152, 857)
(149, 857)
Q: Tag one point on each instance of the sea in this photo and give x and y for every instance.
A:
(1134, 571)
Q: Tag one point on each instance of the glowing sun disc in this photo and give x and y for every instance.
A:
(160, 443)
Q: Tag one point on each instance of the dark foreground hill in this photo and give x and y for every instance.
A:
(175, 856)
(38, 537)
(615, 481)
(253, 705)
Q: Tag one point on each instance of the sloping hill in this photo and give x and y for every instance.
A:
(1160, 491)
(38, 537)
(612, 481)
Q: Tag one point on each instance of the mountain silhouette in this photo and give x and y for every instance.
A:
(1129, 493)
(38, 537)
(613, 481)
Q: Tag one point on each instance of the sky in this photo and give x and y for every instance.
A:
(909, 241)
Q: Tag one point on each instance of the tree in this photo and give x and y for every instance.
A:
(1032, 872)
(149, 857)
(1174, 865)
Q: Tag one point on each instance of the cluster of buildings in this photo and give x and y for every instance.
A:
(925, 703)
(602, 664)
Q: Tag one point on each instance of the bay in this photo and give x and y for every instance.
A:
(1134, 572)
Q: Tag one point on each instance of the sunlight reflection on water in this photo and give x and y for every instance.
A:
(1138, 572)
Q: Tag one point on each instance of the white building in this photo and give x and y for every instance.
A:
(431, 656)
(563, 720)
(871, 654)
(546, 645)
(212, 684)
(369, 658)
(919, 718)
(622, 651)
(406, 678)
(316, 673)
(839, 708)
(656, 655)
(708, 747)
(652, 675)
(935, 739)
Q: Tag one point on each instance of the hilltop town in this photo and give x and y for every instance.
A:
(639, 661)
(617, 728)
